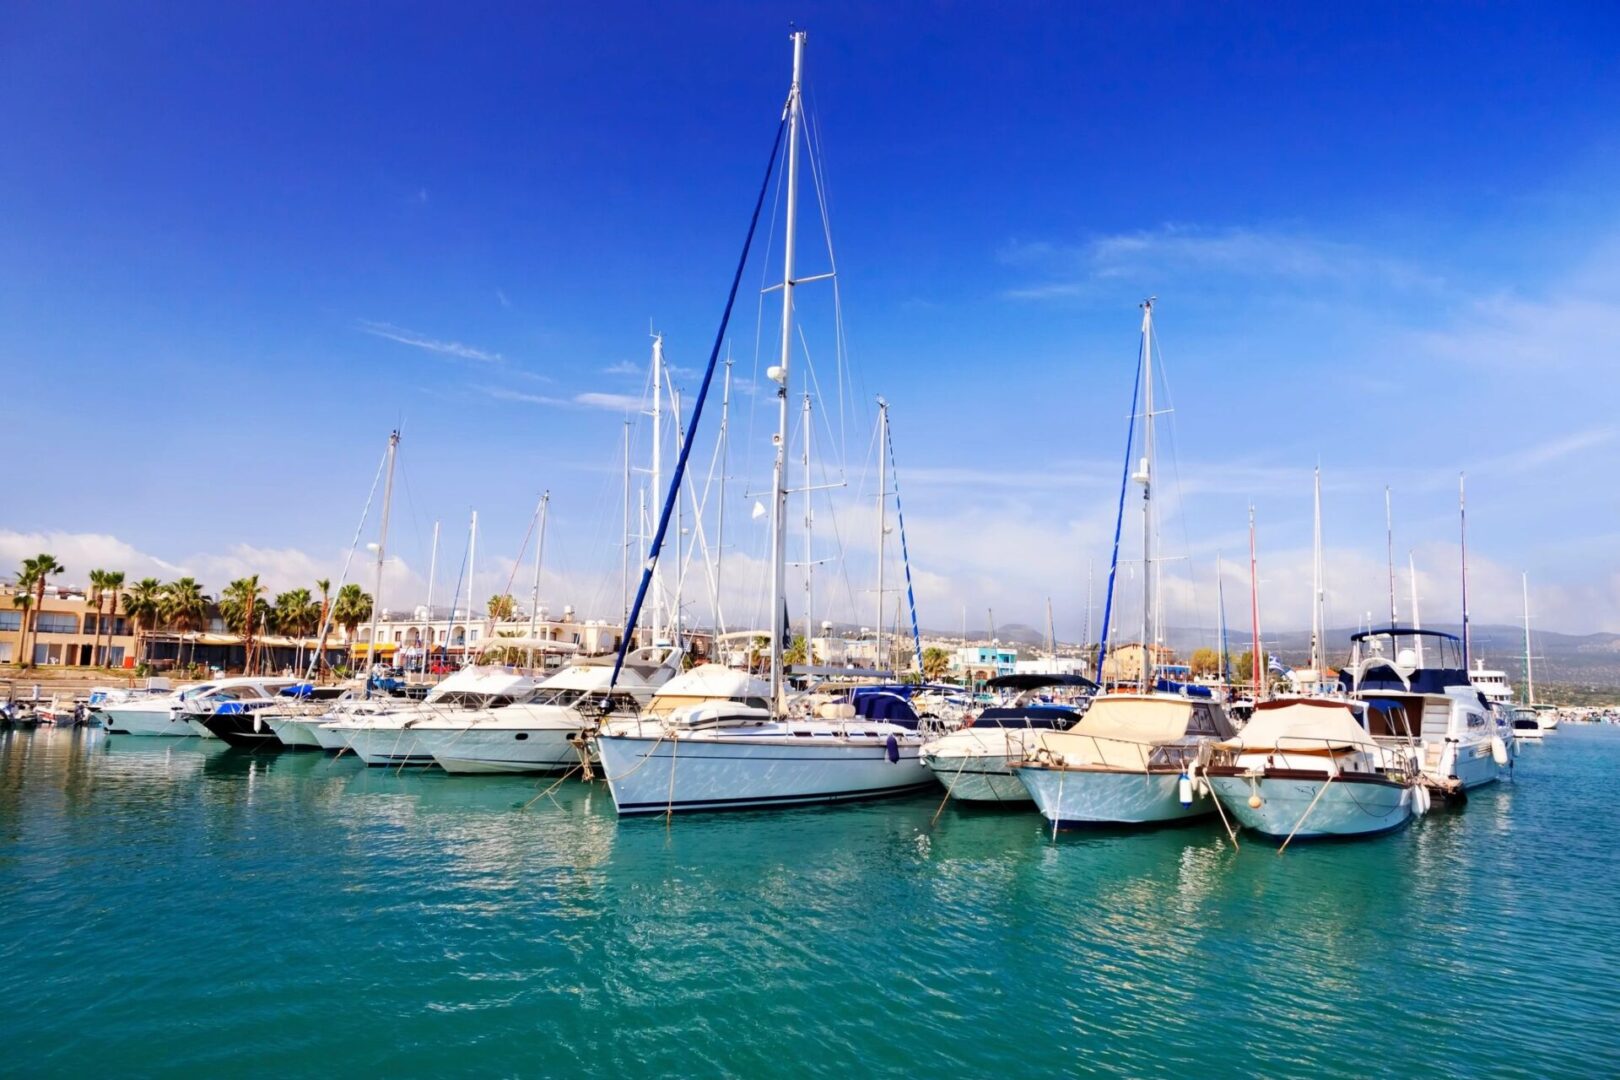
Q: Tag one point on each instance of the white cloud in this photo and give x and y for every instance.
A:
(616, 402)
(420, 341)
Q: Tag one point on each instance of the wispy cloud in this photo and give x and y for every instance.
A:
(1073, 270)
(624, 367)
(616, 402)
(503, 393)
(500, 294)
(421, 341)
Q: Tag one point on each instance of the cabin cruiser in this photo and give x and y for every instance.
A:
(231, 710)
(158, 713)
(1126, 762)
(710, 740)
(380, 729)
(546, 729)
(1492, 684)
(973, 761)
(1527, 723)
(1307, 768)
(1418, 693)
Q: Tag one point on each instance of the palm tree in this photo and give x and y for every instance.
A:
(113, 588)
(500, 607)
(23, 598)
(325, 585)
(351, 608)
(236, 603)
(143, 603)
(184, 606)
(32, 578)
(935, 662)
(297, 614)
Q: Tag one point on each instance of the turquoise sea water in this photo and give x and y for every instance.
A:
(174, 907)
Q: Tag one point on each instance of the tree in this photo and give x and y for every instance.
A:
(184, 606)
(325, 585)
(1205, 662)
(97, 583)
(351, 608)
(795, 652)
(935, 662)
(143, 604)
(237, 604)
(110, 588)
(296, 613)
(32, 579)
(1241, 669)
(501, 607)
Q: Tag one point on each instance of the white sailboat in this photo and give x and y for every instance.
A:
(1126, 762)
(727, 754)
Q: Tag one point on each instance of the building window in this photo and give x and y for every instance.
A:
(11, 620)
(57, 622)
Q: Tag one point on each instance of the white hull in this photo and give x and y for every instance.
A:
(1529, 733)
(1105, 797)
(973, 766)
(146, 722)
(474, 751)
(1344, 808)
(1474, 765)
(390, 745)
(295, 731)
(649, 775)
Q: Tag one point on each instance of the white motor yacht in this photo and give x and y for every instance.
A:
(381, 730)
(545, 730)
(1307, 768)
(974, 761)
(1126, 762)
(159, 714)
(1419, 693)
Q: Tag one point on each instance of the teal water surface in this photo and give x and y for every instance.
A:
(174, 907)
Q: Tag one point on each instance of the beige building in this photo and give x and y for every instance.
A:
(66, 631)
(1124, 662)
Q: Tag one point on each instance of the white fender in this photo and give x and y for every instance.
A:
(1420, 800)
(1499, 751)
(1185, 788)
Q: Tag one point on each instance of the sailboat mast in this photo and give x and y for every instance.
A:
(472, 563)
(624, 536)
(1417, 618)
(382, 548)
(1145, 477)
(779, 478)
(882, 507)
(433, 569)
(539, 553)
(1462, 524)
(1529, 666)
(1220, 616)
(1316, 579)
(1051, 634)
(1389, 547)
(809, 565)
(657, 470)
(720, 517)
(1254, 610)
(680, 560)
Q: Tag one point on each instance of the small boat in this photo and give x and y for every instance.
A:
(236, 712)
(156, 714)
(974, 761)
(1126, 762)
(1307, 768)
(1527, 724)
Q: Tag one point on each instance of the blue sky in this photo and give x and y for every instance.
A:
(239, 245)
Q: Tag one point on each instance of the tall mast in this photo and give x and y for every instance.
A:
(657, 470)
(883, 513)
(809, 565)
(1088, 608)
(1417, 618)
(1051, 634)
(780, 376)
(1254, 610)
(1220, 615)
(539, 553)
(1389, 548)
(1145, 478)
(1462, 523)
(472, 565)
(1316, 580)
(720, 519)
(1529, 666)
(433, 569)
(680, 561)
(382, 547)
(624, 537)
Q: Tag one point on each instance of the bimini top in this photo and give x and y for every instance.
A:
(1031, 681)
(1400, 659)
(1405, 631)
(1302, 724)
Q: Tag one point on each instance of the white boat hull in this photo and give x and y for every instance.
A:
(146, 722)
(1345, 808)
(330, 737)
(382, 746)
(976, 767)
(652, 775)
(1081, 797)
(476, 751)
(295, 732)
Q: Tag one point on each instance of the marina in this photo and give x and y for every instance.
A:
(870, 589)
